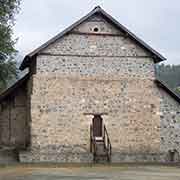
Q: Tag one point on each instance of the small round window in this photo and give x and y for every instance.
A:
(95, 29)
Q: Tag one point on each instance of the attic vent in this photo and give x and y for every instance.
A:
(95, 29)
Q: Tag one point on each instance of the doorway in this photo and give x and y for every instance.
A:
(97, 124)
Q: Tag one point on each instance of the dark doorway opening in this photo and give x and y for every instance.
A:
(173, 155)
(97, 124)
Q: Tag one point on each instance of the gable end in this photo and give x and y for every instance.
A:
(98, 10)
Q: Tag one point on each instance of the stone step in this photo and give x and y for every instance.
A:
(101, 159)
(100, 148)
(101, 152)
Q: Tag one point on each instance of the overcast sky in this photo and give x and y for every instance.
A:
(157, 22)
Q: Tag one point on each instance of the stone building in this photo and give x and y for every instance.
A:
(91, 94)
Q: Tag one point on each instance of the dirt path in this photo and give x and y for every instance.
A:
(91, 173)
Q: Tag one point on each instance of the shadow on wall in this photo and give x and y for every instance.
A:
(8, 155)
(173, 156)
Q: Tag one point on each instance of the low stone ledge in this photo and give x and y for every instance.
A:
(36, 157)
(139, 158)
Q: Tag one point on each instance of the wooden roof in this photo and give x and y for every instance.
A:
(8, 92)
(165, 87)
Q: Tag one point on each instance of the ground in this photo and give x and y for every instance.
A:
(125, 172)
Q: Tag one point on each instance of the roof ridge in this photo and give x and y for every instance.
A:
(97, 7)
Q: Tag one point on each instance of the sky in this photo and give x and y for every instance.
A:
(157, 22)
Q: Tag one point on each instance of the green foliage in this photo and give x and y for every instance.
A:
(170, 74)
(177, 90)
(8, 9)
(8, 73)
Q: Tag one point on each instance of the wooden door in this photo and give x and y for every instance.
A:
(97, 126)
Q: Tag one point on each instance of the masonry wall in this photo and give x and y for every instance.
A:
(94, 72)
(13, 120)
(170, 125)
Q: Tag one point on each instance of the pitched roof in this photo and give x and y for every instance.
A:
(164, 86)
(14, 87)
(97, 10)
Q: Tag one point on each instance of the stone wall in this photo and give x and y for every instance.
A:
(97, 21)
(13, 119)
(112, 68)
(93, 73)
(170, 124)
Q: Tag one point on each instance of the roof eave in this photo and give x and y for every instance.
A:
(168, 90)
(132, 35)
(157, 56)
(25, 62)
(12, 88)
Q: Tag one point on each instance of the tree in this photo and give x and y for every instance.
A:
(8, 71)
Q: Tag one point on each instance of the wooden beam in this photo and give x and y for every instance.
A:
(84, 55)
(98, 34)
(94, 114)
